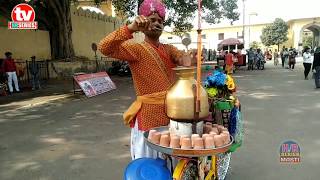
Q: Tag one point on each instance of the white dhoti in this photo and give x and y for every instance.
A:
(139, 148)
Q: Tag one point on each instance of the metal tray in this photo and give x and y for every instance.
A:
(185, 152)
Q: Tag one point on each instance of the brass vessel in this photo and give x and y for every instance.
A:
(180, 99)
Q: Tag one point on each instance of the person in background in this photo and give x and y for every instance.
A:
(282, 55)
(10, 69)
(260, 56)
(276, 57)
(268, 54)
(316, 66)
(307, 62)
(214, 55)
(34, 71)
(292, 58)
(251, 58)
(229, 62)
(286, 58)
(239, 57)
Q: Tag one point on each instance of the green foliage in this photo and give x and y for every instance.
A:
(181, 13)
(275, 34)
(307, 41)
(255, 45)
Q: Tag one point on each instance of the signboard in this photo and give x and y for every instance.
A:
(23, 16)
(95, 84)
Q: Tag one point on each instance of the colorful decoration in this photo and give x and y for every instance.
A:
(212, 92)
(217, 79)
(230, 83)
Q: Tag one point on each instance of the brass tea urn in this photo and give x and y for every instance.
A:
(181, 97)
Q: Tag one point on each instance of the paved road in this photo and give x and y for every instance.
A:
(85, 139)
(278, 105)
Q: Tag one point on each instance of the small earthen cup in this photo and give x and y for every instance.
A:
(186, 143)
(165, 140)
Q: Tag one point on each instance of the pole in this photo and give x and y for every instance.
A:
(249, 30)
(199, 59)
(251, 14)
(244, 21)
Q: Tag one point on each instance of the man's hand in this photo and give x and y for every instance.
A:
(185, 60)
(140, 23)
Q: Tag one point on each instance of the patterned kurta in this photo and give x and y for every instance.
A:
(148, 76)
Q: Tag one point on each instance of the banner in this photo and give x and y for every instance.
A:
(95, 84)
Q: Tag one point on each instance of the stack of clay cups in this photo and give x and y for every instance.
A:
(214, 136)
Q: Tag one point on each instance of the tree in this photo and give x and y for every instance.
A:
(307, 41)
(255, 45)
(181, 13)
(275, 34)
(53, 16)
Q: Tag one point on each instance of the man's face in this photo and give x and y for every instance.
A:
(156, 26)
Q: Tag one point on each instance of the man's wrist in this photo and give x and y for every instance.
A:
(131, 29)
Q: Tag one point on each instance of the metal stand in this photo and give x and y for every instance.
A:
(76, 87)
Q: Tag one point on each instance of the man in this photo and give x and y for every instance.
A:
(10, 69)
(316, 66)
(285, 55)
(292, 58)
(282, 55)
(229, 62)
(276, 57)
(151, 65)
(34, 71)
(251, 55)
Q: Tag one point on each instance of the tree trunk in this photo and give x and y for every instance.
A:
(53, 16)
(60, 34)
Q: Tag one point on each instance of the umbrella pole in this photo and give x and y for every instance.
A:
(199, 59)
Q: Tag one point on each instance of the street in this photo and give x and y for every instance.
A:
(85, 139)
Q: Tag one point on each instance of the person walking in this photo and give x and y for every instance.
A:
(34, 71)
(10, 69)
(282, 55)
(307, 62)
(251, 58)
(276, 57)
(286, 58)
(316, 66)
(292, 58)
(229, 62)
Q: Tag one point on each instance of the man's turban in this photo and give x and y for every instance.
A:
(148, 7)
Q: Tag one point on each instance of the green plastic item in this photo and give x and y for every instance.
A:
(223, 105)
(235, 146)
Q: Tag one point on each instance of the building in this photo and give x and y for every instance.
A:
(211, 37)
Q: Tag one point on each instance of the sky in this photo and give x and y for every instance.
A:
(268, 10)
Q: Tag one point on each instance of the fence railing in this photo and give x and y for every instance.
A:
(24, 75)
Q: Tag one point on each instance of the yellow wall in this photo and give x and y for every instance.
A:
(90, 28)
(25, 43)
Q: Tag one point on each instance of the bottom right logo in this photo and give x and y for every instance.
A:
(290, 152)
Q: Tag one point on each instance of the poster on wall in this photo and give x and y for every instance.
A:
(95, 84)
